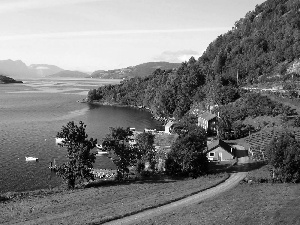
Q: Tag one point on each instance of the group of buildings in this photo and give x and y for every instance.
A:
(217, 150)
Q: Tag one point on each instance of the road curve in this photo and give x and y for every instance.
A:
(231, 182)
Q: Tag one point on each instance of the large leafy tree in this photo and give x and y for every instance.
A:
(284, 156)
(187, 156)
(79, 157)
(146, 150)
(123, 154)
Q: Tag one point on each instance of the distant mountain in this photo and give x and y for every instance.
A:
(141, 70)
(8, 80)
(16, 69)
(19, 70)
(70, 74)
(44, 70)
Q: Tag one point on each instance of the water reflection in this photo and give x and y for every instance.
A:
(30, 120)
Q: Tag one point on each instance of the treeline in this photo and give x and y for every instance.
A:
(169, 93)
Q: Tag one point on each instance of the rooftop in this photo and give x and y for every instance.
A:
(216, 143)
(207, 116)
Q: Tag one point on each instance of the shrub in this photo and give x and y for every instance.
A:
(284, 157)
(187, 156)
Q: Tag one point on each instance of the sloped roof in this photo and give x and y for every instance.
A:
(218, 143)
(207, 116)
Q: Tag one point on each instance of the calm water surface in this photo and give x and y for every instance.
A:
(31, 114)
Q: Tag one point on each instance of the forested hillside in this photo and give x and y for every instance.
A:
(265, 45)
(262, 44)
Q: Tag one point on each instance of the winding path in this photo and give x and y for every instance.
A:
(231, 182)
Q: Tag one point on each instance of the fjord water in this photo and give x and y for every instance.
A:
(32, 113)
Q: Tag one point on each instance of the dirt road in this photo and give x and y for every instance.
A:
(234, 179)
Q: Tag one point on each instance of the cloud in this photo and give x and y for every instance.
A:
(99, 33)
(23, 5)
(177, 56)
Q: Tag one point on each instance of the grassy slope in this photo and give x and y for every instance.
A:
(101, 203)
(263, 203)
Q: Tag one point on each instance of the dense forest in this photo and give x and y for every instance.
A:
(262, 46)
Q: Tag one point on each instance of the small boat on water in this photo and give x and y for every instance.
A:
(31, 159)
(100, 153)
(59, 140)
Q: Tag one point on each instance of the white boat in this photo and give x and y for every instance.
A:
(59, 140)
(31, 158)
(99, 153)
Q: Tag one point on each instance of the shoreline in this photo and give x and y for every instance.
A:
(97, 102)
(100, 176)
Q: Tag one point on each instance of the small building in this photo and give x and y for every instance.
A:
(208, 121)
(152, 131)
(219, 150)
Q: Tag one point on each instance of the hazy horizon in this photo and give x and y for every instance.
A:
(89, 35)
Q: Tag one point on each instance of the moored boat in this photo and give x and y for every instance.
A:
(99, 153)
(59, 140)
(31, 158)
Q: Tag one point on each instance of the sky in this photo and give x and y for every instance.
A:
(89, 35)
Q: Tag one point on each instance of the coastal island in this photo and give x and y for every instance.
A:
(8, 80)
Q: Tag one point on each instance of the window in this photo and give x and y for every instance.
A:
(211, 154)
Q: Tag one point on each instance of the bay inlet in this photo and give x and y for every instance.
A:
(32, 113)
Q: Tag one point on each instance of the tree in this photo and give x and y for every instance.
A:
(187, 156)
(224, 125)
(123, 153)
(284, 156)
(297, 121)
(92, 95)
(80, 159)
(146, 150)
(185, 124)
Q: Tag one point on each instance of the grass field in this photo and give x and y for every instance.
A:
(247, 204)
(100, 203)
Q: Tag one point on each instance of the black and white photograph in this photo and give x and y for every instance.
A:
(150, 112)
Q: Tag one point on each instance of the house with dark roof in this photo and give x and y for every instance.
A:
(219, 150)
(208, 121)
